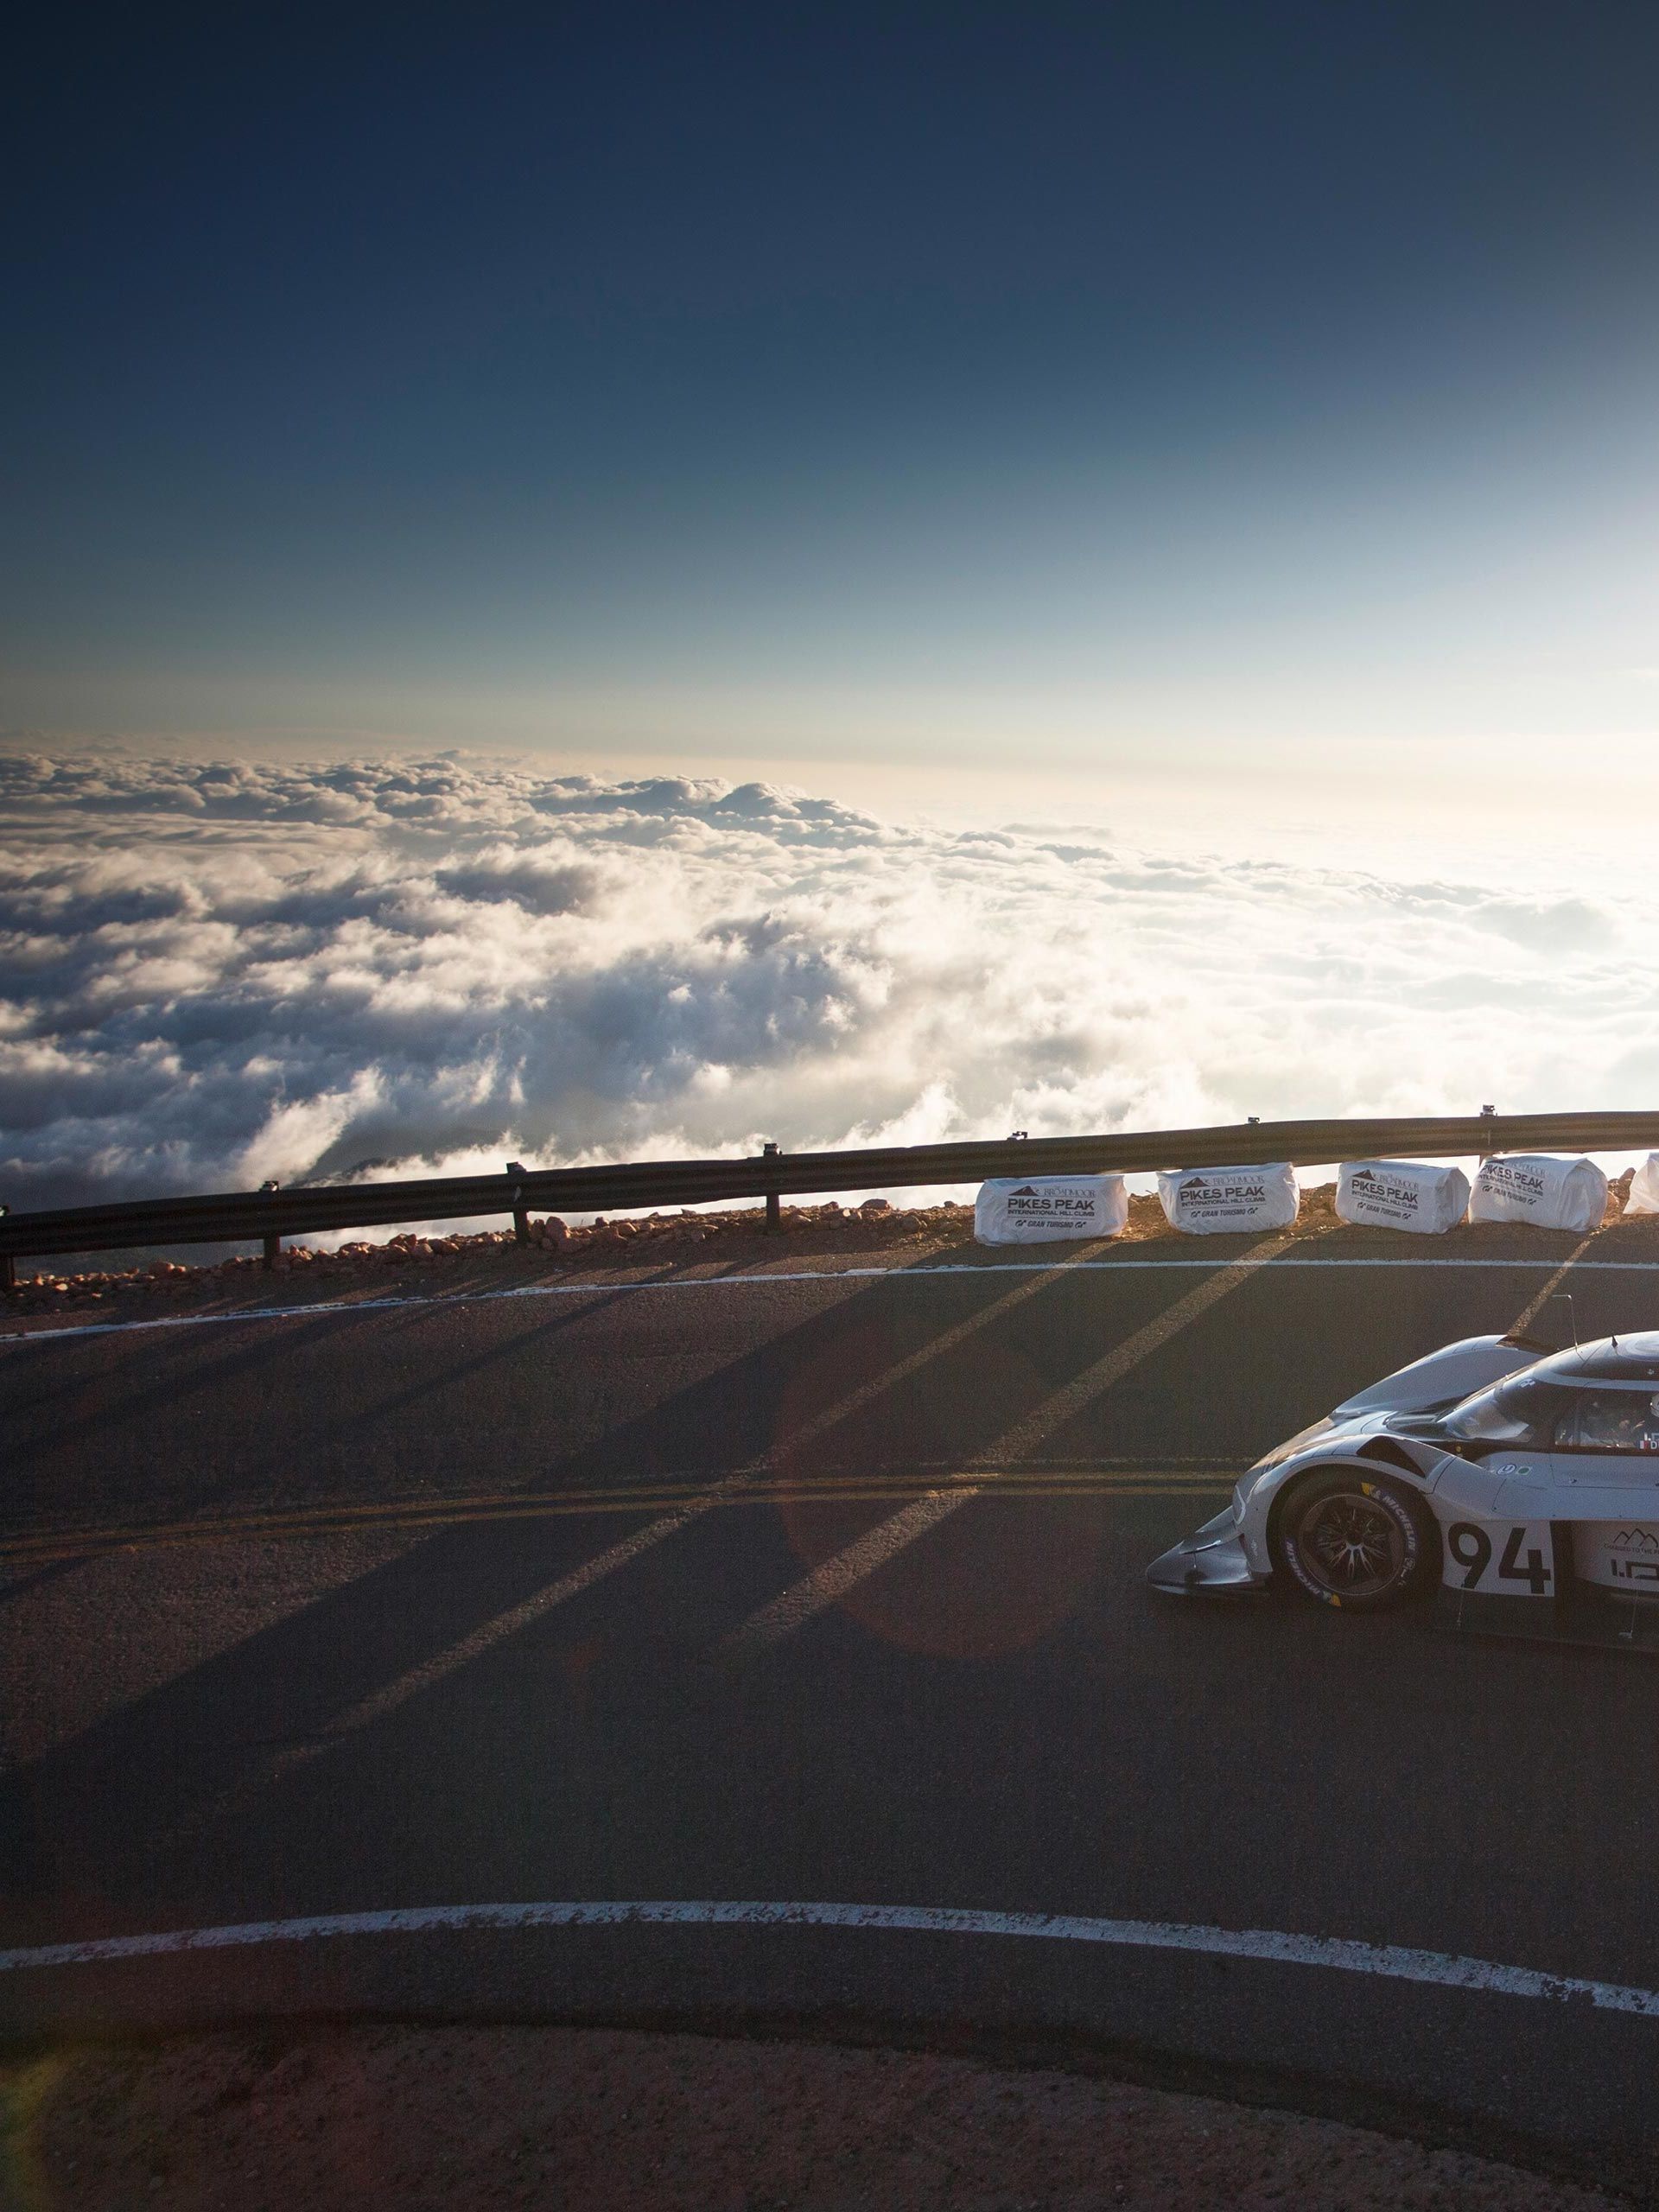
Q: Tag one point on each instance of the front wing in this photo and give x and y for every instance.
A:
(1498, 1578)
(1212, 1562)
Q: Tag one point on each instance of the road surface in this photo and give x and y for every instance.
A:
(815, 1588)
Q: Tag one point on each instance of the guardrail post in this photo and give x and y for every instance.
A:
(7, 1272)
(273, 1244)
(774, 1204)
(520, 1211)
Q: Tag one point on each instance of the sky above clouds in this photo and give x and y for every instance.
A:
(586, 581)
(214, 973)
(1146, 390)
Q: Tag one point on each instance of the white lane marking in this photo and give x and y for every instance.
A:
(1272, 1947)
(462, 1299)
(831, 1580)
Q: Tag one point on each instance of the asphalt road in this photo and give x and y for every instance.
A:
(806, 1590)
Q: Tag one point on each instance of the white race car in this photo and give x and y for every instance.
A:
(1521, 1492)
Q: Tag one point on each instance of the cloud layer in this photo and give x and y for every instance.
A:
(214, 975)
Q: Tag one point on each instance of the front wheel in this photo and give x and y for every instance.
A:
(1352, 1541)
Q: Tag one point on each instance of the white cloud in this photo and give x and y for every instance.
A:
(211, 975)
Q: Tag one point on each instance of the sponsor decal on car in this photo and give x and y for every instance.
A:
(1500, 1558)
(1625, 1556)
(1634, 1556)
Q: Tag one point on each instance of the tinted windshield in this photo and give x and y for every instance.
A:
(1611, 1420)
(1522, 1409)
(1587, 1417)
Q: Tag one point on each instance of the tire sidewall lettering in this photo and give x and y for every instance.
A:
(1379, 1494)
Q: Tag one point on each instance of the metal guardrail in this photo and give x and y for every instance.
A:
(266, 1216)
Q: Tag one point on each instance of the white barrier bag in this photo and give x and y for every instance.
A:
(1644, 1187)
(1225, 1201)
(1044, 1207)
(1548, 1193)
(1402, 1194)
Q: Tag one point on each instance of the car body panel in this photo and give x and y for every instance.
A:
(1533, 1541)
(1441, 1377)
(1460, 1489)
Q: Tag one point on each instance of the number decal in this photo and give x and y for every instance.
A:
(1534, 1573)
(1528, 1557)
(1471, 1547)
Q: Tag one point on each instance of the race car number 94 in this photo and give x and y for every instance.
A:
(1516, 1560)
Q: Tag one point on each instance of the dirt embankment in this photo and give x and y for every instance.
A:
(493, 2120)
(656, 1240)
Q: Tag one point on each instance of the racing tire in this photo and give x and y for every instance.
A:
(1355, 1542)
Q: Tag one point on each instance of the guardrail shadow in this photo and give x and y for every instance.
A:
(176, 1367)
(568, 1308)
(108, 1812)
(189, 1351)
(130, 1432)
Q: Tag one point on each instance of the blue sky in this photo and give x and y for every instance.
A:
(1160, 390)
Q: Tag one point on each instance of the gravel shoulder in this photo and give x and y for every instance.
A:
(490, 2119)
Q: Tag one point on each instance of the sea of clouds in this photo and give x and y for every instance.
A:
(214, 975)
